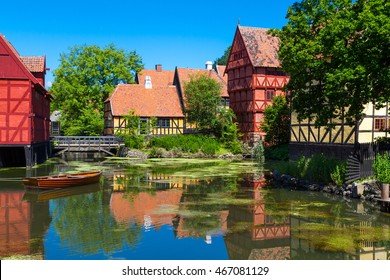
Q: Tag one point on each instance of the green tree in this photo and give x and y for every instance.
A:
(276, 122)
(337, 55)
(202, 99)
(223, 60)
(85, 78)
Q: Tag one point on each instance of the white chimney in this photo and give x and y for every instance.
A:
(148, 82)
(209, 65)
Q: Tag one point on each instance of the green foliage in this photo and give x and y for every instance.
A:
(89, 123)
(339, 174)
(223, 59)
(187, 143)
(276, 122)
(337, 55)
(202, 95)
(316, 168)
(385, 140)
(382, 168)
(132, 141)
(83, 81)
(131, 122)
(279, 152)
(204, 109)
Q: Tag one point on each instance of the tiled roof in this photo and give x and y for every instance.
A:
(34, 63)
(159, 78)
(185, 74)
(154, 102)
(221, 72)
(10, 45)
(262, 47)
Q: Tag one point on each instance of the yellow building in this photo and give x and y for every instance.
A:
(306, 139)
(157, 95)
(161, 103)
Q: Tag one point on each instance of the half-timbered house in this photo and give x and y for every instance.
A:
(254, 78)
(158, 94)
(340, 140)
(147, 101)
(24, 108)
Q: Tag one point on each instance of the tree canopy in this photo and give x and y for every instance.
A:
(202, 98)
(276, 123)
(83, 81)
(204, 108)
(337, 55)
(223, 59)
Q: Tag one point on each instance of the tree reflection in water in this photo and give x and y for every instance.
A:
(84, 224)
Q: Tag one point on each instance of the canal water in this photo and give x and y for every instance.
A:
(180, 209)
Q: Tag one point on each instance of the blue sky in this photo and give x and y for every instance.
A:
(172, 33)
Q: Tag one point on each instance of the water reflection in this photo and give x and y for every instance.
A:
(22, 225)
(139, 213)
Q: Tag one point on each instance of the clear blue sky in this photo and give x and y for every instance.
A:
(172, 33)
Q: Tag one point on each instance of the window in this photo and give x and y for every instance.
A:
(163, 123)
(379, 124)
(270, 94)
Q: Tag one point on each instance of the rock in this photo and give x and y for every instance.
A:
(276, 174)
(357, 190)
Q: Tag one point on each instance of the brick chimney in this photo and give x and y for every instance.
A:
(158, 67)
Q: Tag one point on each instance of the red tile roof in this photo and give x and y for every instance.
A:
(159, 78)
(221, 72)
(262, 47)
(155, 102)
(34, 63)
(184, 75)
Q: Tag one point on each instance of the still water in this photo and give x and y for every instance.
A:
(182, 209)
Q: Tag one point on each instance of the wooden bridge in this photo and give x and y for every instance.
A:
(106, 144)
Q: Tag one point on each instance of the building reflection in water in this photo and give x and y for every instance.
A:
(268, 239)
(22, 225)
(154, 200)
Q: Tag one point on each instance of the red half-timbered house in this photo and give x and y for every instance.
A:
(254, 78)
(24, 108)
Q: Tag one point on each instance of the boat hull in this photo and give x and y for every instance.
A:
(62, 180)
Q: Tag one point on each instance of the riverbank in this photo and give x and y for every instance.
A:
(368, 190)
(162, 153)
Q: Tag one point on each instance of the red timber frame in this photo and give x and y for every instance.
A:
(24, 112)
(248, 86)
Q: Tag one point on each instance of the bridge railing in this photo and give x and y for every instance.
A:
(59, 141)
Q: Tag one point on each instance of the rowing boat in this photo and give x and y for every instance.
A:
(62, 180)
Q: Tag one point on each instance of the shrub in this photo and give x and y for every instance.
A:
(186, 143)
(235, 147)
(132, 141)
(279, 152)
(338, 174)
(382, 168)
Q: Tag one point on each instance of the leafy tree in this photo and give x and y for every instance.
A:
(85, 78)
(202, 99)
(204, 109)
(337, 55)
(276, 122)
(223, 59)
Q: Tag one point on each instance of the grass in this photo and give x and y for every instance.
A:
(317, 168)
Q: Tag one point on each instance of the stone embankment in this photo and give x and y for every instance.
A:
(368, 190)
